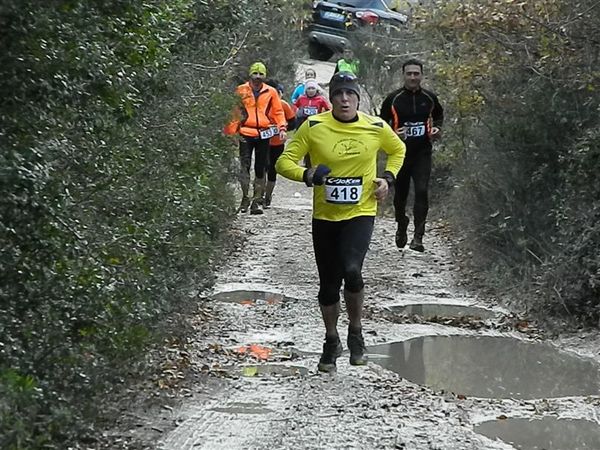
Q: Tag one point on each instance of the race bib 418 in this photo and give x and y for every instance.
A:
(346, 190)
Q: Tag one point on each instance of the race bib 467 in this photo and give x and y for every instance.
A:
(415, 129)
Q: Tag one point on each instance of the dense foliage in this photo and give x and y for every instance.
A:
(115, 185)
(520, 80)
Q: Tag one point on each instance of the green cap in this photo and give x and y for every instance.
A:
(258, 67)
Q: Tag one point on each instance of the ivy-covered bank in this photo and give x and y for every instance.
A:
(115, 186)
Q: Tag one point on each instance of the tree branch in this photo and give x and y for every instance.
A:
(234, 50)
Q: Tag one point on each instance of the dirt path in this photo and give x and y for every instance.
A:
(359, 407)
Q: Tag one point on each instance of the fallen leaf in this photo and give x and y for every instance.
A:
(255, 350)
(250, 371)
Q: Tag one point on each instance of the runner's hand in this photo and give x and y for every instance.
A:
(381, 191)
(320, 173)
(436, 133)
(401, 132)
(316, 175)
(283, 135)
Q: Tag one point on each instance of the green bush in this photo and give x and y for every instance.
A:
(520, 83)
(115, 186)
(572, 276)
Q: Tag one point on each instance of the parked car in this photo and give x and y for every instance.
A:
(333, 20)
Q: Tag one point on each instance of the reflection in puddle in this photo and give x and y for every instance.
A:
(429, 310)
(493, 367)
(243, 408)
(273, 370)
(250, 298)
(548, 433)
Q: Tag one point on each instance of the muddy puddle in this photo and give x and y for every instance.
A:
(250, 298)
(548, 433)
(489, 367)
(243, 408)
(274, 370)
(435, 310)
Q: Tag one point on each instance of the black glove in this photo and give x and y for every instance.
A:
(320, 173)
(389, 177)
(315, 175)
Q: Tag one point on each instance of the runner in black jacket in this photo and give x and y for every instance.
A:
(417, 117)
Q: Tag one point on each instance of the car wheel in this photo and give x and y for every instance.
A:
(319, 51)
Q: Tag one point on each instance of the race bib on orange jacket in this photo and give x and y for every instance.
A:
(260, 114)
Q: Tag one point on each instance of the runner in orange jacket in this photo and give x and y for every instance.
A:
(259, 117)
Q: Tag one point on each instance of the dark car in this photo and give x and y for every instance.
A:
(333, 20)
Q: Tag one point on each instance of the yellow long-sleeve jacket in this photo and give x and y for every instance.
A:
(350, 150)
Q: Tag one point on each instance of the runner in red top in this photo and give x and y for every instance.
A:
(310, 103)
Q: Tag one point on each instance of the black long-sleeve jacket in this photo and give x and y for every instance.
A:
(416, 111)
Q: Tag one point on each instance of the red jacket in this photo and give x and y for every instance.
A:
(257, 114)
(309, 106)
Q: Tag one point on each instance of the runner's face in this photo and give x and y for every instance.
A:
(310, 74)
(311, 91)
(412, 77)
(345, 104)
(257, 78)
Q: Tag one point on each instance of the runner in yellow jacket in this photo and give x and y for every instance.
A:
(343, 145)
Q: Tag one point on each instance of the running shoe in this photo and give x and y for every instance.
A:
(332, 349)
(356, 344)
(401, 236)
(417, 244)
(245, 204)
(256, 207)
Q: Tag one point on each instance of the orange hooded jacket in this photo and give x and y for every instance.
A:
(289, 112)
(257, 113)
